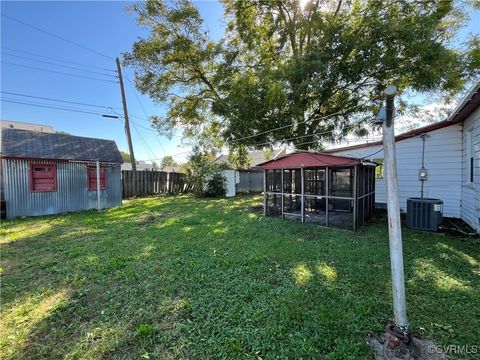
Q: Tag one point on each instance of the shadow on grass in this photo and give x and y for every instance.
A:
(210, 278)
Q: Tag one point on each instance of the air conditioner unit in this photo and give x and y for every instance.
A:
(424, 214)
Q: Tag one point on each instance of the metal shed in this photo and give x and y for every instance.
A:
(51, 173)
(318, 188)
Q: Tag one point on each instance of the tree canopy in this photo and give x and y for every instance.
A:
(167, 161)
(125, 156)
(313, 70)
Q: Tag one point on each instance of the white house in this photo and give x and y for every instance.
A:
(141, 166)
(451, 157)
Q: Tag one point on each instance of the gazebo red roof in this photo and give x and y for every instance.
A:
(307, 159)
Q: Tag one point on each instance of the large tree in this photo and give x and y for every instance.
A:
(167, 161)
(289, 65)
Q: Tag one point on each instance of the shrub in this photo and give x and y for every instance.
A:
(216, 185)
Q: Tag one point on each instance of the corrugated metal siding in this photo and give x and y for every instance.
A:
(250, 182)
(443, 159)
(72, 193)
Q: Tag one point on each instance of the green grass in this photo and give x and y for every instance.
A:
(177, 277)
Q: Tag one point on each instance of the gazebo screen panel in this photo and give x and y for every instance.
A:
(274, 180)
(340, 213)
(292, 181)
(292, 204)
(315, 210)
(341, 182)
(274, 204)
(314, 181)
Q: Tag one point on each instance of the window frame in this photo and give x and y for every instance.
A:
(103, 186)
(470, 160)
(32, 177)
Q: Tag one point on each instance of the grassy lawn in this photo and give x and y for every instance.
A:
(176, 277)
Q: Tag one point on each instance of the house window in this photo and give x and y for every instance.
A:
(92, 178)
(470, 159)
(379, 168)
(43, 177)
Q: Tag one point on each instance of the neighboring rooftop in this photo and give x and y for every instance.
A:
(18, 143)
(26, 126)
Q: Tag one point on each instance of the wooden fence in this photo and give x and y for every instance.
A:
(153, 183)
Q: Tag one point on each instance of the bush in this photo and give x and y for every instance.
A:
(216, 185)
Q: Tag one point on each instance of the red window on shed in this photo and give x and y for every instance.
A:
(92, 178)
(43, 177)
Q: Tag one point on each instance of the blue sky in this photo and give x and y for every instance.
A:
(107, 28)
(103, 26)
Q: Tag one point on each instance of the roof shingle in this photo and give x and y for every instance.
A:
(39, 145)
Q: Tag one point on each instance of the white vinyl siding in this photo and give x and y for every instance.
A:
(443, 160)
(470, 208)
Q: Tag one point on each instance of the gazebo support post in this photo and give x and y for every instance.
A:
(281, 177)
(265, 192)
(302, 173)
(327, 192)
(355, 196)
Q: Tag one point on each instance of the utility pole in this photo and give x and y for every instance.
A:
(394, 224)
(127, 127)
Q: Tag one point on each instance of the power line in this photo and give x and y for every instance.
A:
(51, 107)
(298, 123)
(59, 72)
(173, 155)
(66, 66)
(144, 111)
(76, 103)
(58, 60)
(302, 136)
(147, 147)
(58, 100)
(56, 36)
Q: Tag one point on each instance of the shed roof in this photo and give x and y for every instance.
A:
(18, 143)
(308, 159)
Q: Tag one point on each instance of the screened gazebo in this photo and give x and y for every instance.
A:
(322, 189)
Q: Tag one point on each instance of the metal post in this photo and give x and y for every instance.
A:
(168, 183)
(327, 192)
(265, 192)
(303, 193)
(355, 174)
(98, 186)
(281, 177)
(393, 208)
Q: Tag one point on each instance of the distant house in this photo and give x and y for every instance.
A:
(26, 126)
(49, 173)
(141, 166)
(452, 160)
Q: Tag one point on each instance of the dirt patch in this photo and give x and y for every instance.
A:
(418, 349)
(153, 218)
